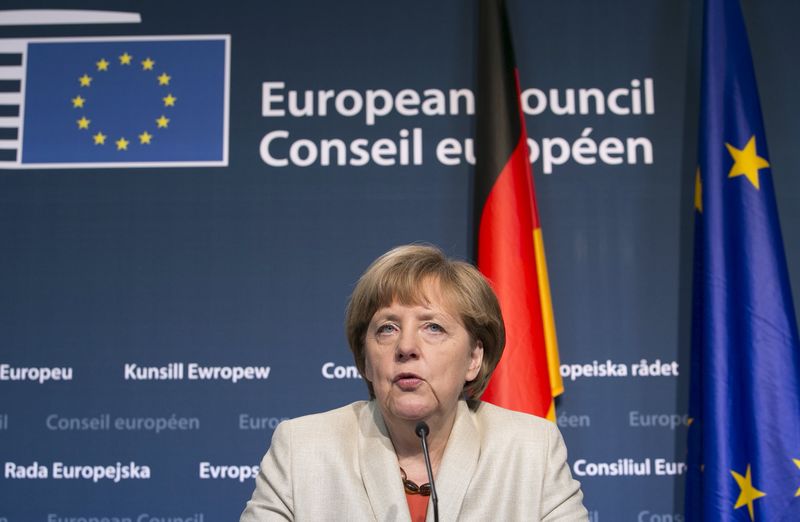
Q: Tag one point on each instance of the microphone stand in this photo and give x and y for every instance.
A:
(422, 431)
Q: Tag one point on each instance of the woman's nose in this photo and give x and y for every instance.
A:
(407, 345)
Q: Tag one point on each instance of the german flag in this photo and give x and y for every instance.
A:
(510, 250)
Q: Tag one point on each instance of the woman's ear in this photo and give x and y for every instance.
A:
(475, 362)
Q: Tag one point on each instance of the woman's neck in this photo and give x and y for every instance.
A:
(408, 446)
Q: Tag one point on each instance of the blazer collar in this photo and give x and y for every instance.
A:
(379, 469)
(381, 473)
(458, 465)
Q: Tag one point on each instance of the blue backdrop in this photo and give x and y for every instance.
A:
(163, 304)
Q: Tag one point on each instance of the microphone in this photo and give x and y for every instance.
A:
(422, 432)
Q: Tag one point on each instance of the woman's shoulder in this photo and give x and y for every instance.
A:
(495, 420)
(509, 435)
(342, 415)
(344, 418)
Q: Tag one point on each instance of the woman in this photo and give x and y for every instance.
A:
(426, 333)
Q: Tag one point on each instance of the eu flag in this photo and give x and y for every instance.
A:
(146, 101)
(744, 440)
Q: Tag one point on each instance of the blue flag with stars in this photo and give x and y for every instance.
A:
(130, 101)
(744, 438)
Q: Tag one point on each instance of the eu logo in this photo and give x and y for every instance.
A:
(121, 102)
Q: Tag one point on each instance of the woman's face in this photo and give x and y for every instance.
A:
(418, 358)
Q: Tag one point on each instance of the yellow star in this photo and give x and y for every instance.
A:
(162, 122)
(122, 144)
(102, 65)
(85, 80)
(99, 138)
(145, 137)
(746, 162)
(169, 100)
(147, 64)
(797, 463)
(164, 79)
(125, 59)
(698, 191)
(77, 102)
(748, 493)
(83, 123)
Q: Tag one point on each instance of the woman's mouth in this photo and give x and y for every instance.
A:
(408, 381)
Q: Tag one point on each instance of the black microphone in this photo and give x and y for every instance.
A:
(422, 431)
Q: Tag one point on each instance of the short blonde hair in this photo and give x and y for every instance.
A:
(399, 276)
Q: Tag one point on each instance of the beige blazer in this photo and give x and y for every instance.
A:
(340, 465)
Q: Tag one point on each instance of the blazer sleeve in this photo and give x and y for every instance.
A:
(272, 499)
(562, 498)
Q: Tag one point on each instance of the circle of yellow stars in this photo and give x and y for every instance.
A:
(746, 163)
(122, 142)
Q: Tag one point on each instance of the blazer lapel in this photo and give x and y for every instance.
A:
(458, 465)
(379, 469)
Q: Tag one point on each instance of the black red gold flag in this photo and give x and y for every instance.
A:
(510, 250)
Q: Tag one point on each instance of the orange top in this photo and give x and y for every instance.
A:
(418, 506)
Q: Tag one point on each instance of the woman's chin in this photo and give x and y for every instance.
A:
(410, 409)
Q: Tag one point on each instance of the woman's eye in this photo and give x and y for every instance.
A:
(385, 329)
(436, 328)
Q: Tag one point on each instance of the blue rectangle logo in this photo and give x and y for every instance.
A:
(123, 102)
